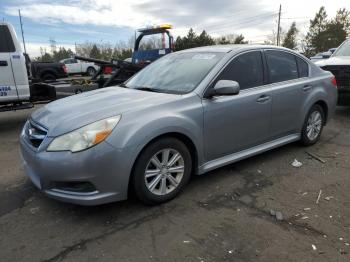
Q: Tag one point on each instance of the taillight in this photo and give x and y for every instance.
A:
(64, 69)
(334, 81)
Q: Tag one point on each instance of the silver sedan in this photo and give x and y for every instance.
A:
(187, 113)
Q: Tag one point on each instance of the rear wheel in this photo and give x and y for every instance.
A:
(313, 125)
(162, 171)
(48, 77)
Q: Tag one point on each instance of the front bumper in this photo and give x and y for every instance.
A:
(105, 167)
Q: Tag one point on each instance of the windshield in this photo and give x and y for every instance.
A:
(177, 73)
(343, 50)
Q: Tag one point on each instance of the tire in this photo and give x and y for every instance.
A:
(150, 190)
(315, 114)
(90, 71)
(48, 77)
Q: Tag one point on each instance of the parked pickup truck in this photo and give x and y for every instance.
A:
(75, 66)
(45, 71)
(17, 90)
(339, 65)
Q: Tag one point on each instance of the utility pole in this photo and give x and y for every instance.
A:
(279, 26)
(20, 21)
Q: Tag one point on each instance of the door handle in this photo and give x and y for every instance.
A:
(307, 88)
(263, 99)
(3, 63)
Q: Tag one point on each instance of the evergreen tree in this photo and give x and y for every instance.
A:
(95, 52)
(290, 40)
(240, 40)
(315, 41)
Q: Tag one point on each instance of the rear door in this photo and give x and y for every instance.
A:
(8, 89)
(73, 66)
(288, 82)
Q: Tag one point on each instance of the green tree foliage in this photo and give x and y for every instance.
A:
(231, 39)
(95, 52)
(193, 40)
(240, 40)
(56, 56)
(290, 39)
(324, 34)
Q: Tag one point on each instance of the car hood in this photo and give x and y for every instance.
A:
(335, 60)
(73, 112)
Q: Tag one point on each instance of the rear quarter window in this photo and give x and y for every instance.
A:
(303, 67)
(6, 42)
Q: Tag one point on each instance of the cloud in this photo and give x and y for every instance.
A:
(34, 48)
(218, 17)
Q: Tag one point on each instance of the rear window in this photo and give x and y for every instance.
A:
(282, 66)
(6, 43)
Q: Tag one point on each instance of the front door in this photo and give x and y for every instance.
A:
(234, 123)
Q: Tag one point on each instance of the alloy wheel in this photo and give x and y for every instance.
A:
(164, 171)
(314, 125)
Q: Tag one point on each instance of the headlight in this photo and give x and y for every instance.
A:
(85, 137)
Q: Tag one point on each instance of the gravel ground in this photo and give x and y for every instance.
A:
(260, 209)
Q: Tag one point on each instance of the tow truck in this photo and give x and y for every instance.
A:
(121, 70)
(17, 89)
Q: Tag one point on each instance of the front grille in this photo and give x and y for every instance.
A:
(35, 134)
(341, 73)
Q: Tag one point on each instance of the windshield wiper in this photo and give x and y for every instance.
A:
(123, 85)
(149, 89)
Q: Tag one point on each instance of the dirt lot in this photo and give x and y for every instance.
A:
(221, 216)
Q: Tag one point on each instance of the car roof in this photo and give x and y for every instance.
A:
(231, 48)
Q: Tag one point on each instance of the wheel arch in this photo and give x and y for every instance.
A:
(324, 106)
(178, 135)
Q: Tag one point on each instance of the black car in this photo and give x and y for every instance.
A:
(339, 65)
(48, 71)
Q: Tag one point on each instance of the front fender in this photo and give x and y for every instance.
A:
(136, 130)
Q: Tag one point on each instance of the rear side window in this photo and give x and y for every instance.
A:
(303, 67)
(282, 66)
(6, 43)
(246, 69)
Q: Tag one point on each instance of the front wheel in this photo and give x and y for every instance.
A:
(91, 71)
(313, 125)
(162, 171)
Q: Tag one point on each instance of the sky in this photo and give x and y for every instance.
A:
(70, 22)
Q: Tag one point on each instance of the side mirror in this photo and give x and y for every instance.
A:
(225, 88)
(326, 55)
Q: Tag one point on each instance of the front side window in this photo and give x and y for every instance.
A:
(6, 42)
(282, 66)
(177, 73)
(246, 69)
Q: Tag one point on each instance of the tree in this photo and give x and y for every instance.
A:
(192, 40)
(324, 34)
(95, 52)
(240, 40)
(204, 39)
(290, 40)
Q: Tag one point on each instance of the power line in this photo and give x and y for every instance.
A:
(234, 25)
(242, 21)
